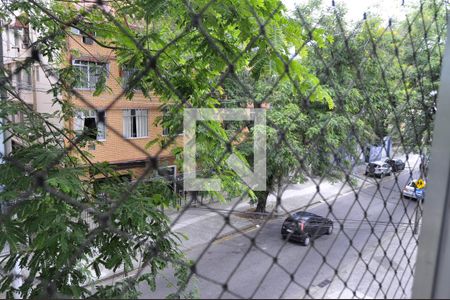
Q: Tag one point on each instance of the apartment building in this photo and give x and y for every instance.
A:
(124, 126)
(31, 81)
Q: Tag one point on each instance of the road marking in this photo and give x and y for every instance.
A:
(232, 235)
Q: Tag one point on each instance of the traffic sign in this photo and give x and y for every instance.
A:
(419, 193)
(420, 184)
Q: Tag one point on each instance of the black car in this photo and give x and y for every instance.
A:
(396, 164)
(303, 226)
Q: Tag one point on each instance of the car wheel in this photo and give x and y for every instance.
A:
(306, 241)
(283, 236)
(330, 230)
(365, 173)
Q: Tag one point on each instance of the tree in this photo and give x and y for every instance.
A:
(358, 66)
(421, 60)
(362, 71)
(64, 228)
(303, 139)
(222, 42)
(387, 74)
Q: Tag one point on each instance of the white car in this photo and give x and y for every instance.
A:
(378, 169)
(409, 191)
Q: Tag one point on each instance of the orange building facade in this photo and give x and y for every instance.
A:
(127, 125)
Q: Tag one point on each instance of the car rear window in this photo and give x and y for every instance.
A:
(303, 215)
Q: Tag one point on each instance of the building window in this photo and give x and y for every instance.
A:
(165, 131)
(175, 130)
(91, 122)
(18, 76)
(75, 30)
(21, 116)
(26, 78)
(26, 38)
(89, 73)
(23, 78)
(135, 123)
(87, 40)
(128, 75)
(16, 38)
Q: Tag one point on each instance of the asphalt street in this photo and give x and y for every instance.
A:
(370, 254)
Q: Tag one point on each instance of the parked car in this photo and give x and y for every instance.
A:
(378, 168)
(396, 164)
(303, 226)
(409, 191)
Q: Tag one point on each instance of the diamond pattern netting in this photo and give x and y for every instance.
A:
(343, 87)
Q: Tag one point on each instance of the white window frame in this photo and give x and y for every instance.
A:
(79, 63)
(81, 115)
(75, 30)
(136, 115)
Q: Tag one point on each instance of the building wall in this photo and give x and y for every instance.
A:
(115, 148)
(33, 88)
(15, 51)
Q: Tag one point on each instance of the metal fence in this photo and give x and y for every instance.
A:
(349, 107)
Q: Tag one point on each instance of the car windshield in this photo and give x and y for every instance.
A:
(412, 184)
